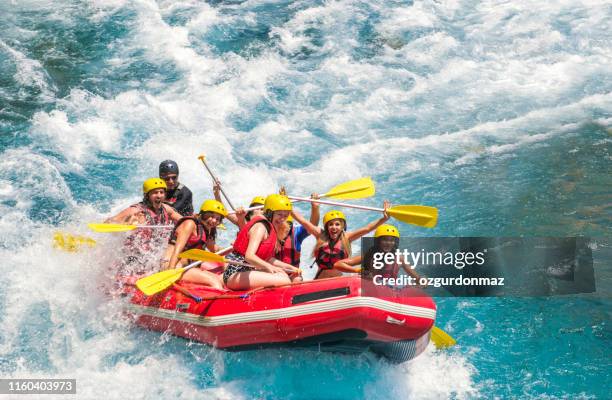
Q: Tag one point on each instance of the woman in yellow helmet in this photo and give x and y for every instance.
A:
(291, 237)
(141, 244)
(386, 240)
(256, 201)
(334, 241)
(196, 232)
(256, 244)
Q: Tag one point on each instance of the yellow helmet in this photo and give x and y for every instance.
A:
(153, 183)
(386, 230)
(257, 200)
(333, 214)
(277, 202)
(213, 206)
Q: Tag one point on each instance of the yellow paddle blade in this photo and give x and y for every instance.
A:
(441, 339)
(202, 255)
(417, 215)
(71, 243)
(155, 283)
(356, 189)
(106, 228)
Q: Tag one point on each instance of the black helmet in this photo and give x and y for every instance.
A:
(168, 167)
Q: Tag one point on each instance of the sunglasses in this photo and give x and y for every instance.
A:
(170, 178)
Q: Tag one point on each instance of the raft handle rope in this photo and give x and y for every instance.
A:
(187, 293)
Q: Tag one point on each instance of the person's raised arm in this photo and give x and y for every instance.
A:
(314, 210)
(356, 234)
(217, 191)
(237, 218)
(172, 213)
(309, 226)
(123, 217)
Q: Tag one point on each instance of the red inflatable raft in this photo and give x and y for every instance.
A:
(343, 314)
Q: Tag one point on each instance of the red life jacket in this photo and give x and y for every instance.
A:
(195, 241)
(288, 253)
(267, 247)
(388, 271)
(326, 256)
(140, 239)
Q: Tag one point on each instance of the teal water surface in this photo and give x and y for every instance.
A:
(499, 114)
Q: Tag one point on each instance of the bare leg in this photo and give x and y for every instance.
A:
(254, 279)
(204, 277)
(329, 273)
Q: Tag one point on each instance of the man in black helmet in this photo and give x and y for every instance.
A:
(177, 195)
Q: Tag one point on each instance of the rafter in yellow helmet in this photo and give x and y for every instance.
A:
(257, 200)
(333, 214)
(386, 230)
(277, 202)
(153, 183)
(213, 206)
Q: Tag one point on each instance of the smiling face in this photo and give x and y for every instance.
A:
(387, 243)
(171, 180)
(279, 218)
(211, 220)
(157, 196)
(335, 228)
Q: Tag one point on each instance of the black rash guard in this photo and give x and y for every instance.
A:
(181, 199)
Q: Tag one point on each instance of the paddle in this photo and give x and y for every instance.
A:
(106, 228)
(411, 214)
(67, 242)
(203, 255)
(441, 339)
(355, 189)
(203, 159)
(152, 284)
